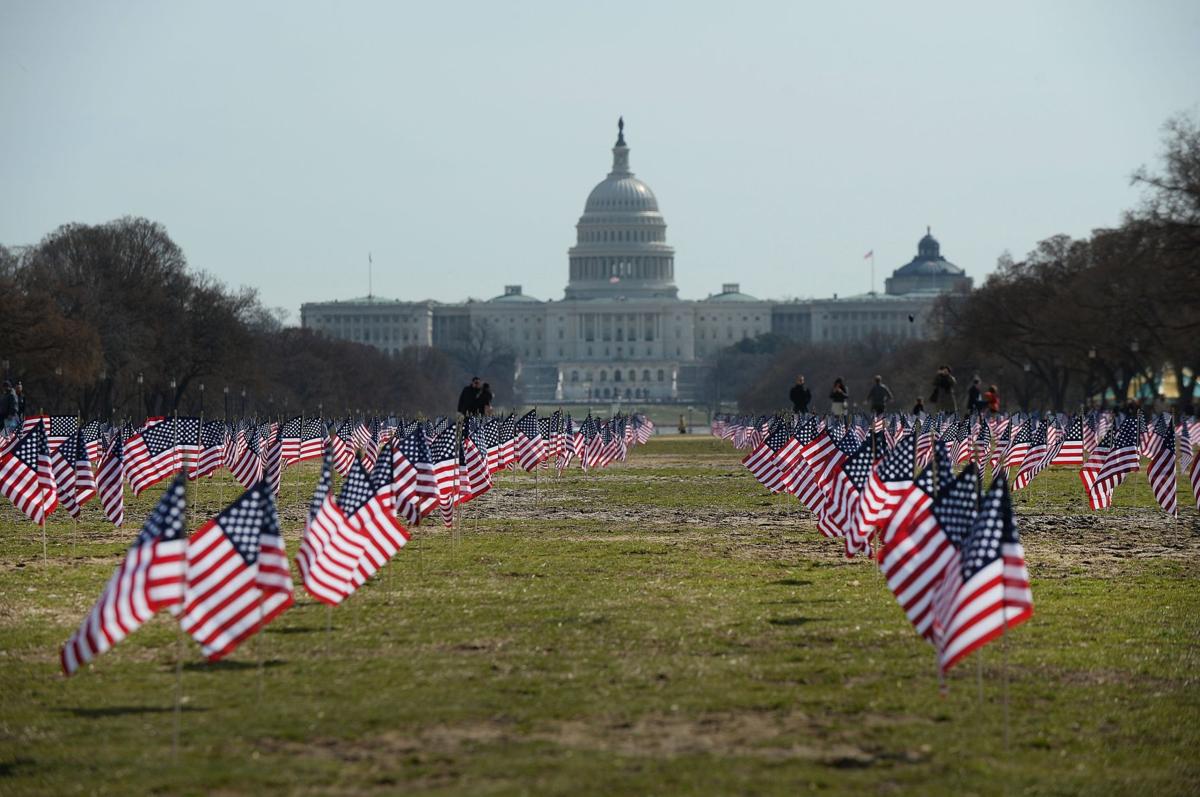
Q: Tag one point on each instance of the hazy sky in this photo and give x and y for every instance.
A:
(281, 142)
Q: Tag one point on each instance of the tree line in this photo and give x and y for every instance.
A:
(1074, 322)
(110, 321)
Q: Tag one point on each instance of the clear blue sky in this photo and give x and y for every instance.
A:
(280, 142)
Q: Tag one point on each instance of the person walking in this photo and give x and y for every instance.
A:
(468, 399)
(485, 399)
(800, 396)
(942, 397)
(21, 400)
(919, 408)
(10, 417)
(879, 395)
(838, 398)
(991, 398)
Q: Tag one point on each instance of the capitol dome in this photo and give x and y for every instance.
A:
(621, 248)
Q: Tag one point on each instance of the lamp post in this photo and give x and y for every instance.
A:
(142, 389)
(226, 392)
(201, 399)
(58, 377)
(243, 402)
(174, 397)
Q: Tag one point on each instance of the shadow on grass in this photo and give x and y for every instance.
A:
(298, 629)
(9, 768)
(791, 582)
(798, 620)
(230, 666)
(125, 711)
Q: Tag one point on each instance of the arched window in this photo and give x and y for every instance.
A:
(628, 393)
(604, 376)
(632, 375)
(646, 375)
(661, 375)
(616, 376)
(574, 376)
(606, 392)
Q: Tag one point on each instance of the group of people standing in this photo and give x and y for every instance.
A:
(942, 398)
(476, 398)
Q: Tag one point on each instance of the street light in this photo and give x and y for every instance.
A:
(201, 398)
(226, 392)
(1133, 346)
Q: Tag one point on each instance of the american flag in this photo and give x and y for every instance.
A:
(842, 490)
(212, 449)
(60, 429)
(27, 478)
(150, 578)
(92, 440)
(568, 448)
(247, 469)
(914, 552)
(1122, 459)
(110, 482)
(85, 480)
(62, 465)
(474, 480)
(992, 595)
(800, 479)
(508, 441)
(367, 442)
(342, 446)
(330, 549)
(531, 448)
(1099, 494)
(151, 455)
(303, 439)
(443, 453)
(1070, 446)
(1194, 477)
(762, 463)
(413, 485)
(1161, 468)
(955, 508)
(237, 577)
(886, 486)
(1018, 447)
(1035, 458)
(363, 502)
(272, 471)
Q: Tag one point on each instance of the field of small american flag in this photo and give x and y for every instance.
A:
(661, 626)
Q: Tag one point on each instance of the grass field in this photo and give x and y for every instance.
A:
(662, 627)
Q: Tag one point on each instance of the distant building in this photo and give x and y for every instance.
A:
(621, 330)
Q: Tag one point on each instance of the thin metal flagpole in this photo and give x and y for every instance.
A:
(177, 728)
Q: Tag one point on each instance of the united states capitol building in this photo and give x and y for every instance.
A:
(620, 330)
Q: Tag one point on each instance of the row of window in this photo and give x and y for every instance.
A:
(630, 375)
(373, 318)
(616, 392)
(622, 236)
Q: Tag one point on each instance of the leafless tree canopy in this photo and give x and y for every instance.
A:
(104, 304)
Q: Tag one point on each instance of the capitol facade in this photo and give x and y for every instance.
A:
(621, 331)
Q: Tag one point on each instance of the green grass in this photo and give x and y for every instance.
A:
(660, 627)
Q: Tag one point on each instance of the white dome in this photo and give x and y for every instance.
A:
(621, 193)
(621, 248)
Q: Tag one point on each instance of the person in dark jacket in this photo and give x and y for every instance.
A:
(485, 399)
(800, 395)
(21, 400)
(879, 395)
(9, 407)
(838, 397)
(919, 407)
(468, 399)
(943, 397)
(975, 402)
